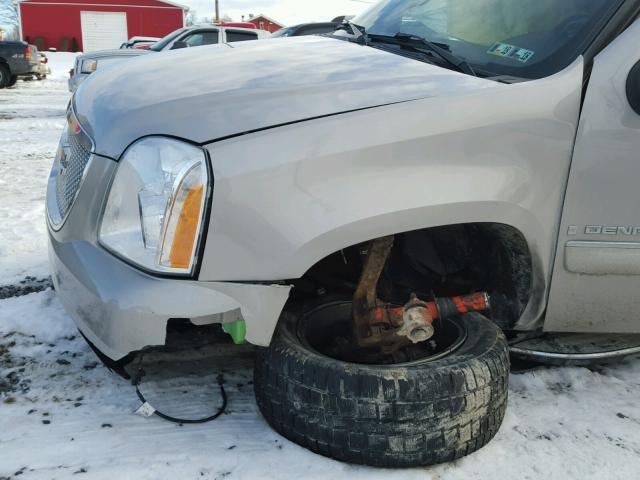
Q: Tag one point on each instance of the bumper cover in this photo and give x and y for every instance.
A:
(122, 310)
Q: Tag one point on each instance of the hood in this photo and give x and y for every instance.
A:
(206, 93)
(101, 54)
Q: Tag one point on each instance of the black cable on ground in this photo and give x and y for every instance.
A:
(137, 378)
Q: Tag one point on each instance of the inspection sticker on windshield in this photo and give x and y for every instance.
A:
(510, 51)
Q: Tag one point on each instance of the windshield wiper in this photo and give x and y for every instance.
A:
(357, 30)
(420, 44)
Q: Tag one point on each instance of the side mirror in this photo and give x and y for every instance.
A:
(179, 44)
(633, 88)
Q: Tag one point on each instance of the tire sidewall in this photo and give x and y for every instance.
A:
(4, 75)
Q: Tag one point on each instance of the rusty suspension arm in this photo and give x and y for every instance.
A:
(365, 297)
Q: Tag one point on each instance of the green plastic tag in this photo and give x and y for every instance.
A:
(237, 330)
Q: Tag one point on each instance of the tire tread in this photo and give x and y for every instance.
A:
(403, 418)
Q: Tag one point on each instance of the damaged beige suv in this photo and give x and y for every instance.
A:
(377, 209)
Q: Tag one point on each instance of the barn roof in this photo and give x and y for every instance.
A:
(112, 3)
(256, 17)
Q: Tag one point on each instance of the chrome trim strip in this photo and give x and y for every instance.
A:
(532, 354)
(600, 244)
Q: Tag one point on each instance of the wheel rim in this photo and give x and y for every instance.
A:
(326, 330)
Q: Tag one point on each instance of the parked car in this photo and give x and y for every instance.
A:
(418, 196)
(143, 46)
(42, 69)
(17, 59)
(136, 42)
(306, 29)
(194, 36)
(87, 63)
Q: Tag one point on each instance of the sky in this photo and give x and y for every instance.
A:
(288, 12)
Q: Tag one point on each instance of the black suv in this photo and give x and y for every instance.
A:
(17, 59)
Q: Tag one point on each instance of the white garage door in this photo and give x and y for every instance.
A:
(103, 30)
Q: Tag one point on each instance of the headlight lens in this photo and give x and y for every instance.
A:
(156, 204)
(89, 66)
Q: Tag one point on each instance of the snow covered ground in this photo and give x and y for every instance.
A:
(62, 414)
(31, 119)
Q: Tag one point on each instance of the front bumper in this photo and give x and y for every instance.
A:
(121, 309)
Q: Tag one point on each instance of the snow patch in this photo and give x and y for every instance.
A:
(62, 413)
(60, 63)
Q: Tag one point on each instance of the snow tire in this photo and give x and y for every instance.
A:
(5, 75)
(404, 415)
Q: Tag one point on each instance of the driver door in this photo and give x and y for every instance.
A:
(596, 278)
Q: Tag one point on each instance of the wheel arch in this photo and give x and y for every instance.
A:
(505, 226)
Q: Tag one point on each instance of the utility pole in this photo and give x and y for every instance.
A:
(217, 12)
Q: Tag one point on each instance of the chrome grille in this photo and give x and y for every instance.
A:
(71, 166)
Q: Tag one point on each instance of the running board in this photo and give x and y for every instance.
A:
(575, 348)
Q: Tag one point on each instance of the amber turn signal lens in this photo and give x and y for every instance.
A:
(187, 229)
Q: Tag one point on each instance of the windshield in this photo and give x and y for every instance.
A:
(521, 38)
(163, 42)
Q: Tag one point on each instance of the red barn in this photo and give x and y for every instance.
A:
(89, 25)
(265, 23)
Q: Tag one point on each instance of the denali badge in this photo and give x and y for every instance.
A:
(604, 230)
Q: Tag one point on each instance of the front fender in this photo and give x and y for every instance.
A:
(286, 197)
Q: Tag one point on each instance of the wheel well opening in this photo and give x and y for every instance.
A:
(438, 261)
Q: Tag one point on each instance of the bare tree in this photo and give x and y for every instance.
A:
(190, 18)
(9, 15)
(11, 33)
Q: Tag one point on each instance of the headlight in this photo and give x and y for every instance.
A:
(88, 66)
(155, 208)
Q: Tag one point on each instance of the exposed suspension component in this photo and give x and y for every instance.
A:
(391, 327)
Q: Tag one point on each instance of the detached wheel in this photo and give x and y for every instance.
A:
(442, 406)
(5, 75)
